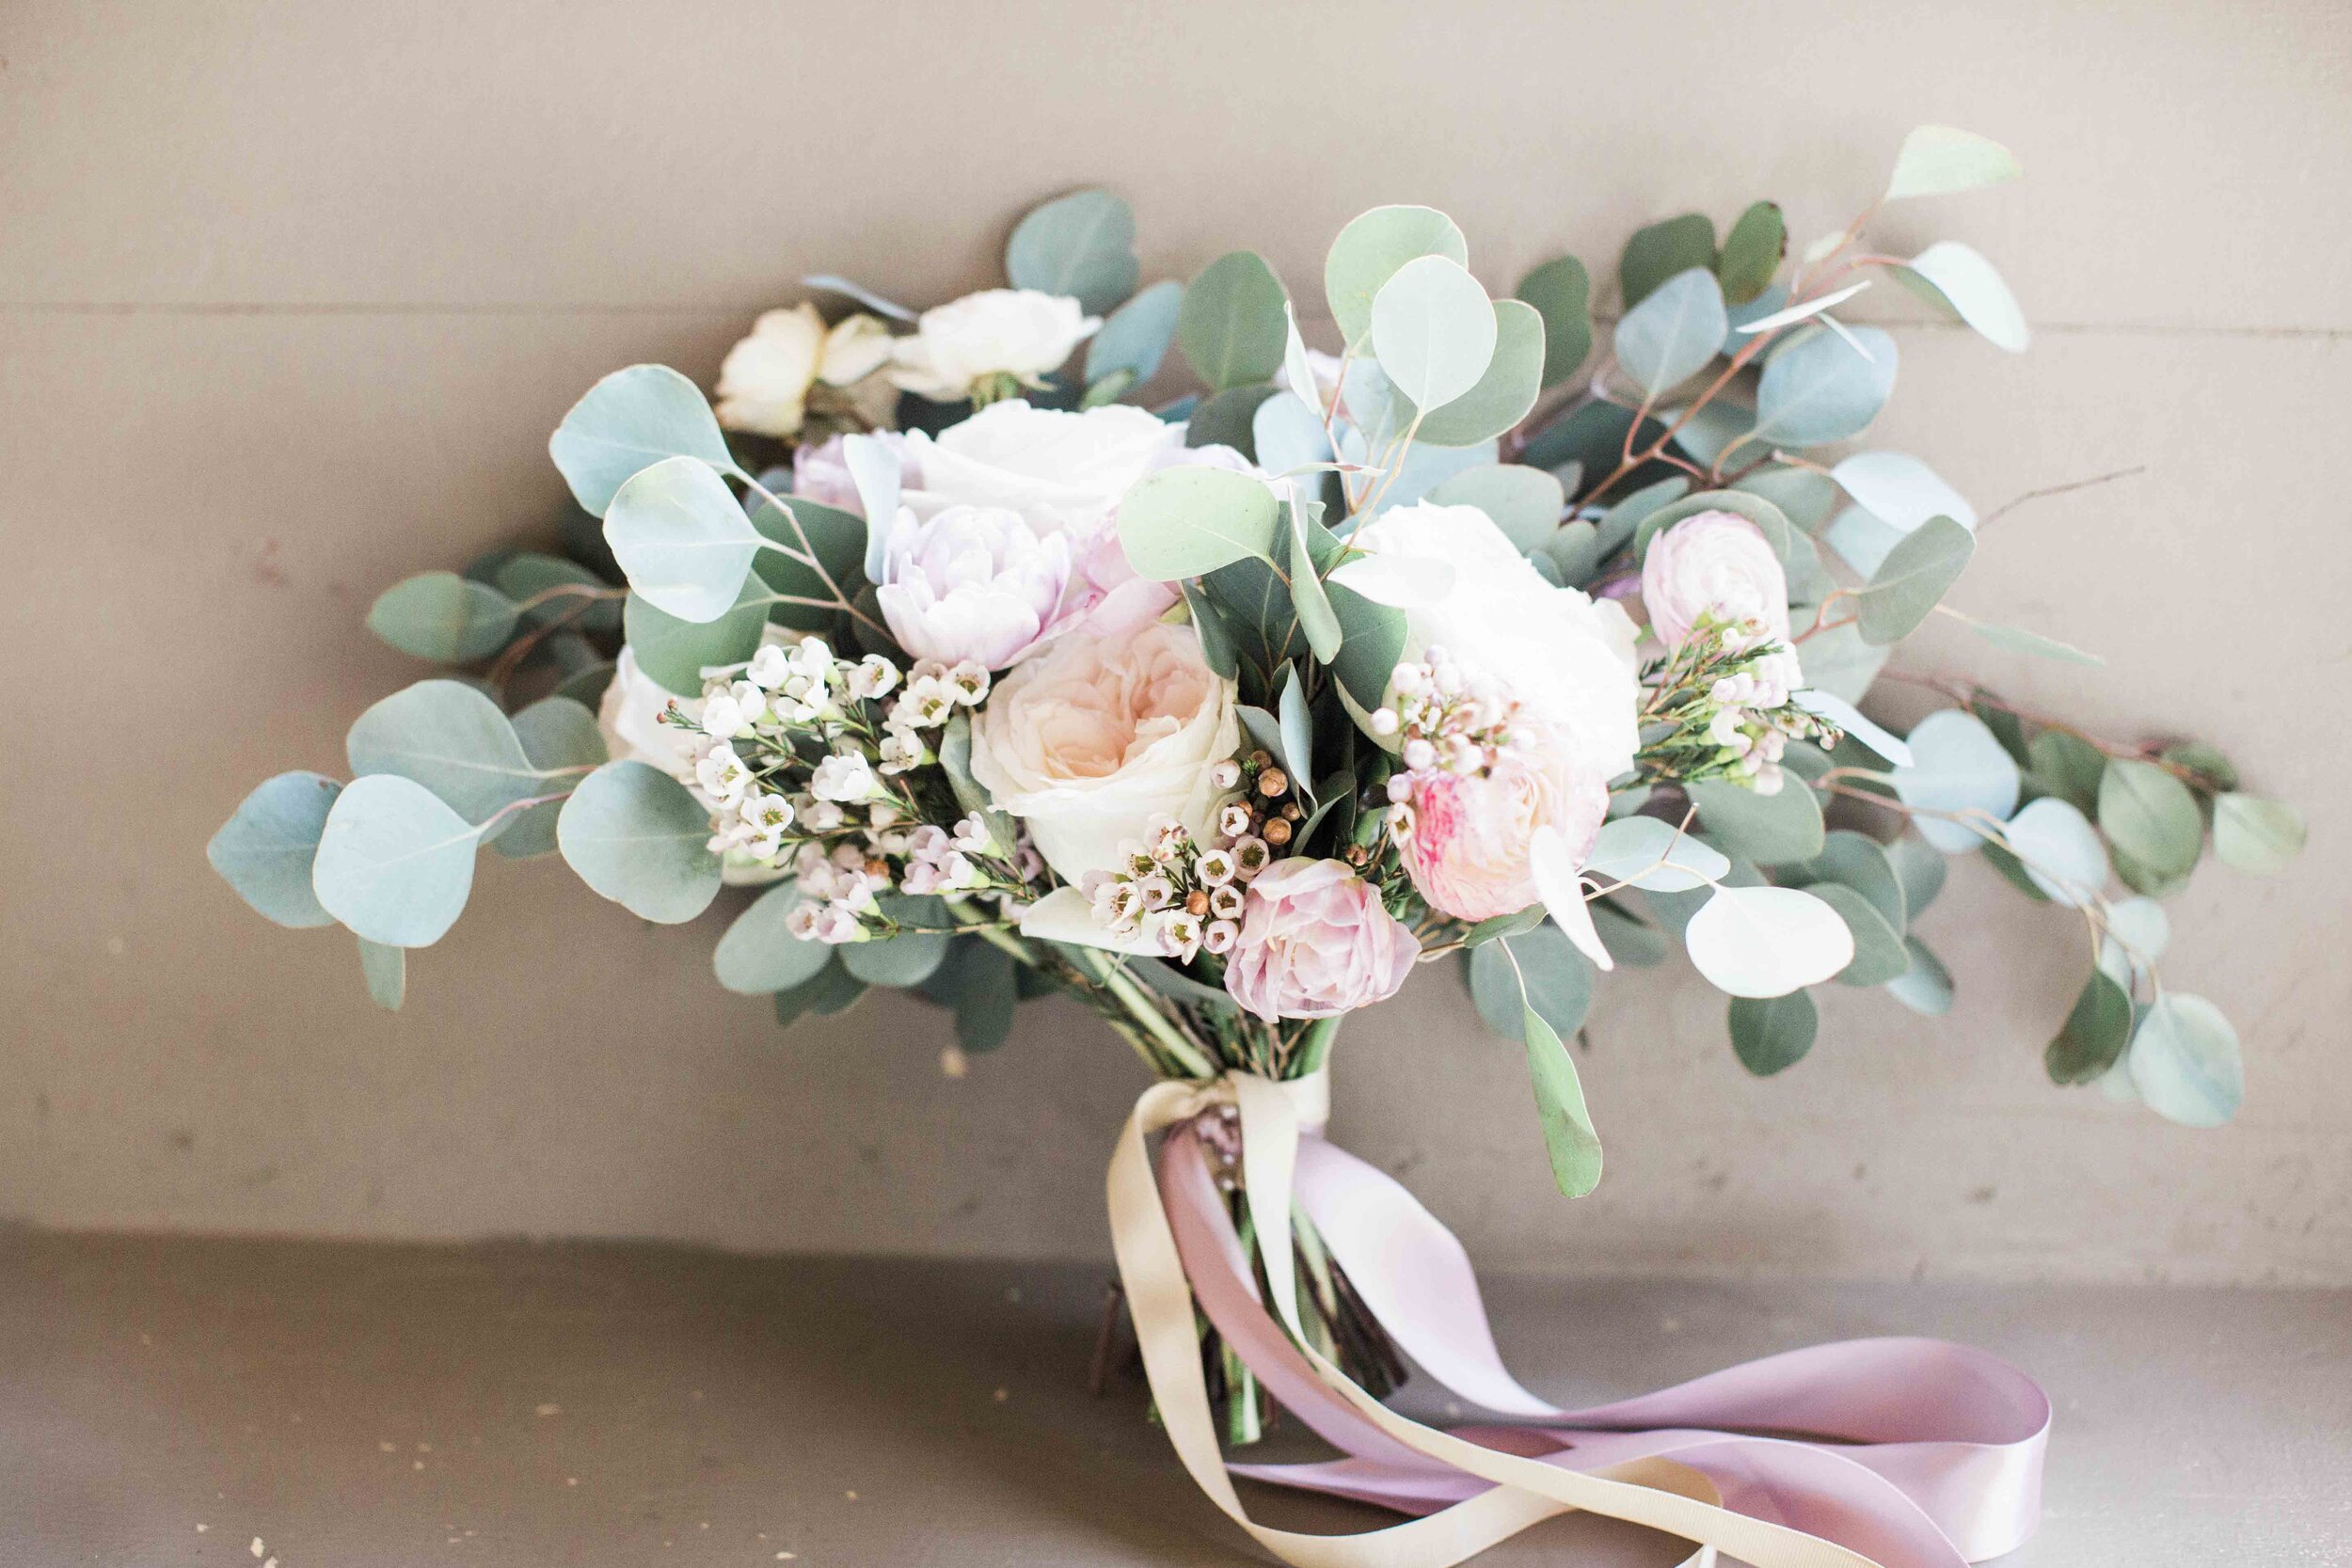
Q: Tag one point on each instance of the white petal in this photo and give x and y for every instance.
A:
(1563, 893)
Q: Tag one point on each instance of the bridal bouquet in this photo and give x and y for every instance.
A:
(1223, 714)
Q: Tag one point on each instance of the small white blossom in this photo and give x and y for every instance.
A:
(1251, 855)
(768, 667)
(1225, 774)
(1221, 936)
(872, 677)
(972, 835)
(722, 717)
(1214, 868)
(1233, 820)
(721, 774)
(843, 776)
(1180, 938)
(1226, 901)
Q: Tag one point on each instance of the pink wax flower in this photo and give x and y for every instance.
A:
(1317, 942)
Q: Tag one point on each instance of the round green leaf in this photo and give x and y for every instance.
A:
(1861, 863)
(1135, 338)
(1878, 946)
(1920, 870)
(906, 960)
(1937, 159)
(266, 847)
(760, 954)
(558, 735)
(2060, 850)
(1752, 252)
(1660, 250)
(2150, 816)
(1803, 497)
(1181, 522)
(682, 538)
(527, 574)
(1958, 277)
(1768, 940)
(1770, 830)
(1503, 394)
(1433, 330)
(1913, 580)
(1559, 982)
(2186, 1063)
(1231, 321)
(1926, 986)
(1650, 852)
(443, 617)
(1958, 766)
(394, 863)
(2093, 1034)
(636, 835)
(1368, 253)
(1562, 293)
(1772, 1033)
(451, 738)
(2066, 765)
(386, 971)
(629, 420)
(1525, 503)
(1080, 245)
(1899, 490)
(2256, 836)
(674, 653)
(1817, 389)
(1672, 334)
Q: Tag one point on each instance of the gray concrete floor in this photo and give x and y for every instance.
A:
(172, 1400)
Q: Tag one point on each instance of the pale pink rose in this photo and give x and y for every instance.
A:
(1316, 943)
(821, 473)
(972, 582)
(1468, 851)
(1718, 562)
(1095, 736)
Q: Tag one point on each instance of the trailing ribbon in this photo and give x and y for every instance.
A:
(1925, 1454)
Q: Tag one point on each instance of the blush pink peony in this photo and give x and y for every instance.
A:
(1716, 562)
(1317, 942)
(973, 582)
(1468, 849)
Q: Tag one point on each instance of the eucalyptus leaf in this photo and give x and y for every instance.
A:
(1770, 830)
(1562, 293)
(831, 990)
(443, 617)
(1926, 986)
(1768, 940)
(635, 835)
(2068, 766)
(559, 735)
(1672, 334)
(682, 538)
(1525, 503)
(1960, 278)
(1859, 862)
(955, 760)
(1080, 245)
(527, 573)
(394, 863)
(1372, 639)
(674, 653)
(1959, 769)
(2150, 816)
(1804, 498)
(2184, 1061)
(902, 961)
(988, 991)
(1433, 330)
(1879, 955)
(2093, 1036)
(1503, 395)
(1177, 986)
(1660, 250)
(1913, 580)
(1317, 619)
(1371, 249)
(1559, 982)
(1838, 661)
(454, 741)
(2255, 836)
(1771, 1034)
(2018, 640)
(1901, 491)
(629, 421)
(1815, 389)
(1183, 522)
(1937, 159)
(1134, 337)
(1650, 852)
(2060, 850)
(759, 954)
(386, 971)
(1919, 868)
(264, 849)
(1631, 941)
(839, 540)
(1570, 1141)
(1228, 419)
(1619, 526)
(1216, 639)
(1232, 321)
(1752, 252)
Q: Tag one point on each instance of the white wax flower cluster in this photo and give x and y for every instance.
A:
(1197, 892)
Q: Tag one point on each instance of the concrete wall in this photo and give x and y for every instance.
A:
(290, 296)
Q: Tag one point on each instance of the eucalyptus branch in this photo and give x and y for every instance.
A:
(810, 560)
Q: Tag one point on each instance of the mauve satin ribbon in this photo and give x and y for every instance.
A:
(1921, 1454)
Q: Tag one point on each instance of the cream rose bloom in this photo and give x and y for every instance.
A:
(1566, 658)
(764, 381)
(1062, 471)
(1094, 736)
(968, 343)
(1716, 562)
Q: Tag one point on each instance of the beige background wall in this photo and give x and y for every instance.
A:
(290, 296)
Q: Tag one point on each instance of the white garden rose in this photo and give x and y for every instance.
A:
(1062, 471)
(764, 381)
(1095, 736)
(1567, 658)
(968, 343)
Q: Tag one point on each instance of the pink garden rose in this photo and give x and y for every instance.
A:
(972, 582)
(1469, 850)
(1317, 942)
(1718, 562)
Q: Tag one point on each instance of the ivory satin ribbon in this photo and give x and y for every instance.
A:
(1934, 1449)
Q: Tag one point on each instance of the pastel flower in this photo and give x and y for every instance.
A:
(821, 471)
(960, 347)
(1314, 943)
(1094, 736)
(971, 583)
(1466, 837)
(765, 379)
(1714, 563)
(1062, 471)
(845, 777)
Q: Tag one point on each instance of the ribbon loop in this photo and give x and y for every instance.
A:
(1933, 1452)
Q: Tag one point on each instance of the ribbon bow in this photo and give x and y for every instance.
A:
(1931, 1454)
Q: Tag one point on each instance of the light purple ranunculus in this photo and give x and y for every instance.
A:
(1317, 942)
(973, 583)
(1718, 563)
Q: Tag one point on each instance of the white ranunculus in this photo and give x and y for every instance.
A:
(1062, 471)
(1713, 562)
(1095, 736)
(1567, 658)
(1022, 333)
(972, 582)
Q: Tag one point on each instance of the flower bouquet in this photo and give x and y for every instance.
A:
(1224, 713)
